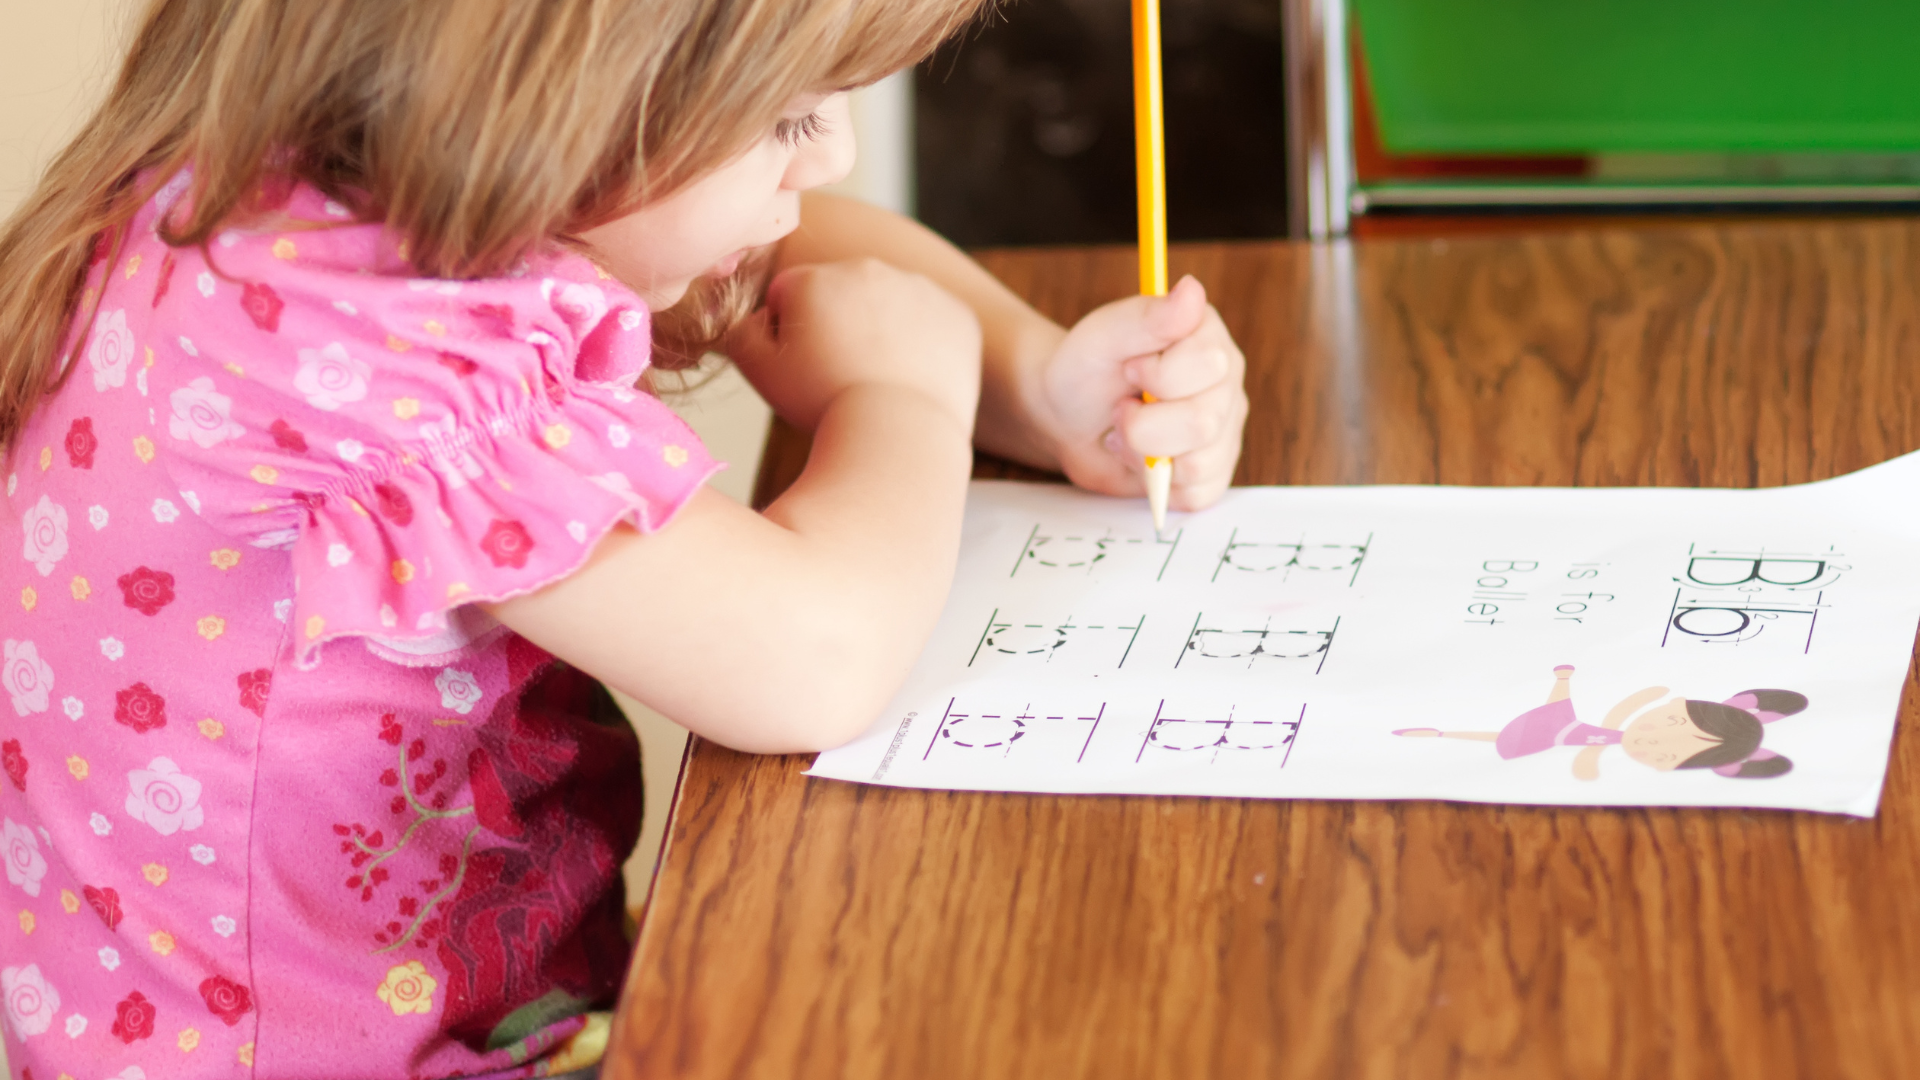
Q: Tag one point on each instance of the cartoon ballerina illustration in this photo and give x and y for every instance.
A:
(1678, 733)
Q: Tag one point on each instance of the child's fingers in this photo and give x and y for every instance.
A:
(1200, 478)
(1191, 365)
(1173, 428)
(1142, 325)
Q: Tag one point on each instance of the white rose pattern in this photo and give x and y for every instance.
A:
(582, 306)
(110, 351)
(111, 648)
(205, 280)
(100, 825)
(202, 854)
(31, 1000)
(45, 526)
(274, 539)
(459, 690)
(329, 378)
(224, 925)
(97, 517)
(109, 957)
(203, 415)
(618, 436)
(165, 798)
(339, 555)
(25, 865)
(27, 678)
(76, 1025)
(73, 707)
(165, 512)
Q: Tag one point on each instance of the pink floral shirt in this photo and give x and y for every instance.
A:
(279, 801)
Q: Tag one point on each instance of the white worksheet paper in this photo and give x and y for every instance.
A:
(1272, 645)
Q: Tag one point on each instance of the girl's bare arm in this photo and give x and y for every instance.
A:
(789, 631)
(1062, 399)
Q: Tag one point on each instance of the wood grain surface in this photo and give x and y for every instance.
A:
(810, 928)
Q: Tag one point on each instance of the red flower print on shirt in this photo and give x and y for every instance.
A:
(226, 999)
(255, 685)
(262, 305)
(106, 904)
(166, 279)
(133, 1018)
(286, 438)
(311, 501)
(393, 504)
(495, 319)
(140, 708)
(81, 443)
(16, 763)
(459, 365)
(147, 590)
(507, 543)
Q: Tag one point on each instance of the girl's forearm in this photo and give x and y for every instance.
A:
(1016, 339)
(785, 632)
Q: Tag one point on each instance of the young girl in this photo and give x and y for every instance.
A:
(319, 391)
(1678, 733)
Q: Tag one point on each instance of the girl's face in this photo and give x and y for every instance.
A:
(708, 226)
(1664, 736)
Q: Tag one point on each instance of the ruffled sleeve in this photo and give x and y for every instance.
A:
(416, 447)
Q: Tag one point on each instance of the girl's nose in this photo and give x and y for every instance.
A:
(828, 158)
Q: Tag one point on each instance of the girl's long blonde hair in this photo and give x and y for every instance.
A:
(476, 129)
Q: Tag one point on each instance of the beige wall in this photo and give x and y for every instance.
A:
(56, 58)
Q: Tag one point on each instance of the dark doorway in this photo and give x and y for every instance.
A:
(1025, 127)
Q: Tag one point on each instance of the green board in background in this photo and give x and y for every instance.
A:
(1600, 76)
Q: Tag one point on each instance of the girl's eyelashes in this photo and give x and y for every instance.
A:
(793, 132)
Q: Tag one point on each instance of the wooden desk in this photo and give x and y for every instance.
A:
(809, 928)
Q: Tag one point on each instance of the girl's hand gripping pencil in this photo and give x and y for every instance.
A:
(1150, 171)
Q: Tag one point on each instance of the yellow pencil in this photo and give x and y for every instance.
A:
(1150, 179)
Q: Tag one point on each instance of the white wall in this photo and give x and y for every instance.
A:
(56, 59)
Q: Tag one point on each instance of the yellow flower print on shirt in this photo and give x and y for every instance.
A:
(408, 989)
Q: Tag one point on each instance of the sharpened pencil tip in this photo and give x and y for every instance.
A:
(1159, 486)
